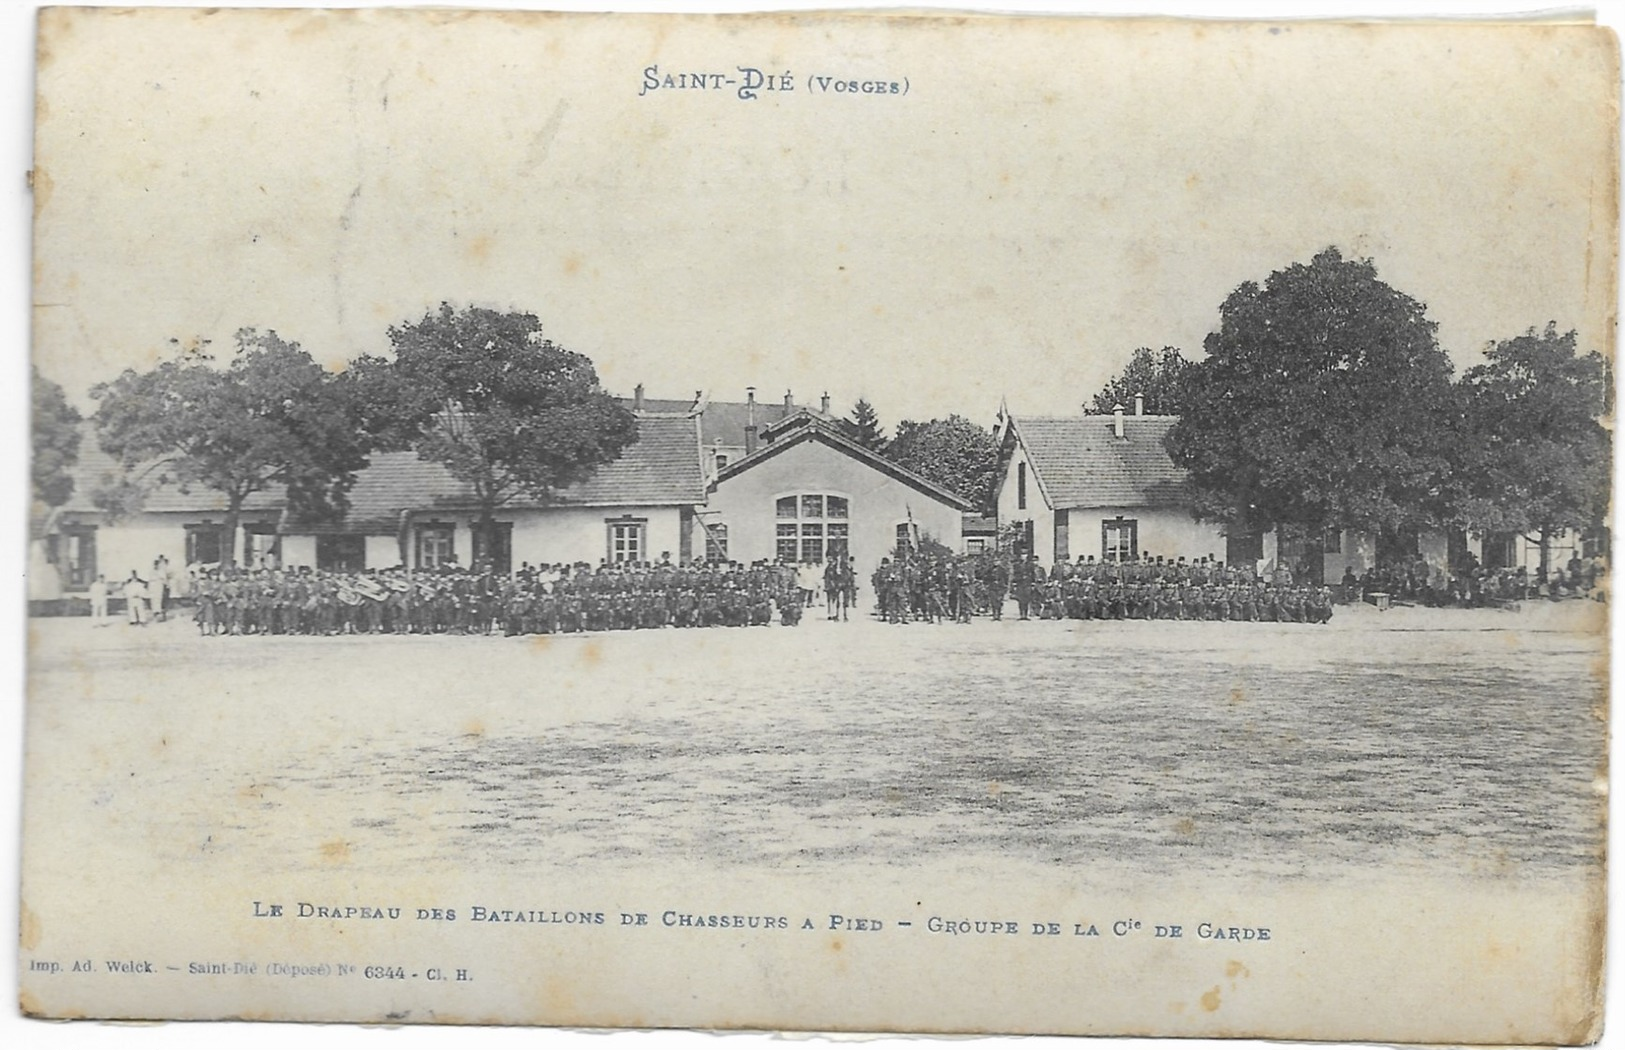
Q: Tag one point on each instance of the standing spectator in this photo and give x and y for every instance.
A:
(98, 601)
(135, 600)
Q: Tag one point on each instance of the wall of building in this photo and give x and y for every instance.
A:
(382, 552)
(1167, 532)
(299, 550)
(1359, 554)
(581, 534)
(878, 503)
(1037, 510)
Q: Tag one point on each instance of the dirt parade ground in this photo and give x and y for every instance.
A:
(1404, 740)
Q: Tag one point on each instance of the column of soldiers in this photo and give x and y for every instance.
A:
(933, 588)
(549, 599)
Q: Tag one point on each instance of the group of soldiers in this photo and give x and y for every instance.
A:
(547, 599)
(910, 586)
(1468, 584)
(936, 587)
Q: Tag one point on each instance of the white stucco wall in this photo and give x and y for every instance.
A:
(746, 503)
(1036, 511)
(1168, 532)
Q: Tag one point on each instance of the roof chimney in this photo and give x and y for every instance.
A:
(1117, 420)
(750, 420)
(637, 398)
(823, 403)
(1139, 404)
(789, 402)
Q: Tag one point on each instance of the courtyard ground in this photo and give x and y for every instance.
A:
(1406, 740)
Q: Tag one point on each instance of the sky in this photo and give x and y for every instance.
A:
(1044, 199)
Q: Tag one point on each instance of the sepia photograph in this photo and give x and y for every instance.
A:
(882, 522)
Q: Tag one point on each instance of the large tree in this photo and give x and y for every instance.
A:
(271, 417)
(863, 426)
(56, 436)
(1157, 375)
(508, 411)
(1324, 402)
(1536, 458)
(954, 452)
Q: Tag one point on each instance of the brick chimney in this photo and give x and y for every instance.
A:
(1139, 404)
(750, 420)
(789, 402)
(1117, 421)
(637, 398)
(823, 403)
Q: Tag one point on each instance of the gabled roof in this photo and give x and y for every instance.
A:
(661, 468)
(808, 427)
(1080, 462)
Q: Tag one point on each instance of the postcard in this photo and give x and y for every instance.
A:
(881, 522)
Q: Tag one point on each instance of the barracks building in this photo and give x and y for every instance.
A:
(742, 481)
(1104, 485)
(738, 481)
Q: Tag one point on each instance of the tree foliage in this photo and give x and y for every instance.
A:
(863, 426)
(506, 410)
(954, 452)
(1159, 376)
(55, 425)
(1324, 401)
(272, 417)
(1536, 457)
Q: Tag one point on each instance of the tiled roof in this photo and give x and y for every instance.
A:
(661, 468)
(96, 469)
(1080, 462)
(726, 420)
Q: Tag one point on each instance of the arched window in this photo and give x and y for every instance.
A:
(812, 527)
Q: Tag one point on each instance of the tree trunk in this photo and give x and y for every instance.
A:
(234, 517)
(485, 532)
(1545, 549)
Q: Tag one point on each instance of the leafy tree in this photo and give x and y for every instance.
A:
(272, 417)
(504, 408)
(1324, 401)
(863, 426)
(1536, 458)
(954, 452)
(1157, 375)
(56, 442)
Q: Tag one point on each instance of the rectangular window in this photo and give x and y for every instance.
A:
(1062, 540)
(812, 543)
(975, 545)
(341, 553)
(626, 541)
(1244, 548)
(835, 507)
(836, 548)
(77, 551)
(716, 543)
(1333, 542)
(1021, 486)
(204, 544)
(262, 547)
(501, 553)
(786, 548)
(787, 506)
(812, 506)
(434, 546)
(1119, 540)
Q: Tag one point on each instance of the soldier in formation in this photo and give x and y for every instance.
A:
(548, 599)
(923, 587)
